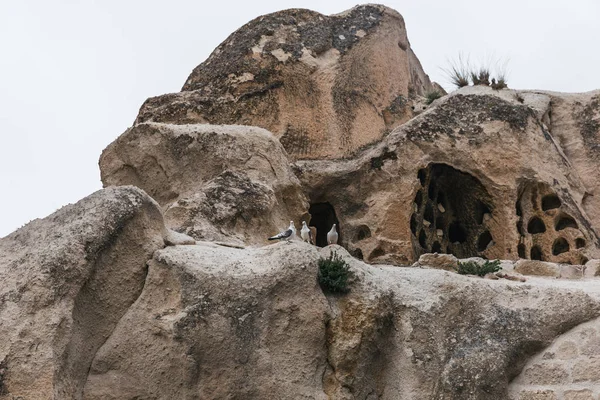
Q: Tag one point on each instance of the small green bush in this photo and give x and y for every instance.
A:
(473, 268)
(430, 97)
(334, 274)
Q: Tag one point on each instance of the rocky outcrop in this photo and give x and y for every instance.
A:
(324, 85)
(230, 183)
(479, 173)
(66, 282)
(215, 322)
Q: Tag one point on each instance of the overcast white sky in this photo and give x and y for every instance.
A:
(73, 74)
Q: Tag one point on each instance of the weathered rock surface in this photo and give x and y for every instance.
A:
(214, 182)
(325, 85)
(66, 282)
(480, 173)
(217, 322)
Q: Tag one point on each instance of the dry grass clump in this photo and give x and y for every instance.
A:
(460, 72)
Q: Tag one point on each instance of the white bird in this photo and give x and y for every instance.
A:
(305, 233)
(288, 234)
(332, 236)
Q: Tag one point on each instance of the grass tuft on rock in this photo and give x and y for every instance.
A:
(473, 268)
(430, 97)
(334, 274)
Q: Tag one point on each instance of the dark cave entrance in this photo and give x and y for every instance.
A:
(323, 217)
(452, 209)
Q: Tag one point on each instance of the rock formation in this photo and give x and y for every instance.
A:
(228, 183)
(167, 289)
(324, 85)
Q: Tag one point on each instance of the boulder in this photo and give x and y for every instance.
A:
(438, 261)
(592, 269)
(324, 85)
(219, 183)
(217, 322)
(66, 282)
(537, 268)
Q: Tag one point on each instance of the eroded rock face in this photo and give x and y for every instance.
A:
(324, 85)
(217, 322)
(480, 173)
(230, 183)
(66, 282)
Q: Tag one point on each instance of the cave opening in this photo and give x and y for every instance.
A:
(580, 243)
(560, 246)
(521, 250)
(550, 202)
(536, 253)
(565, 221)
(451, 217)
(536, 225)
(323, 217)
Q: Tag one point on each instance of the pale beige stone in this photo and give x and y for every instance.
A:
(567, 351)
(592, 269)
(537, 268)
(583, 394)
(538, 395)
(546, 373)
(439, 261)
(586, 370)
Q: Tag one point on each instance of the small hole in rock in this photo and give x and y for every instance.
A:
(413, 224)
(431, 190)
(357, 253)
(518, 207)
(439, 223)
(456, 233)
(565, 221)
(583, 260)
(441, 199)
(550, 201)
(364, 232)
(536, 225)
(378, 252)
(423, 239)
(428, 216)
(560, 246)
(520, 227)
(436, 248)
(536, 253)
(484, 240)
(422, 175)
(419, 198)
(521, 250)
(580, 243)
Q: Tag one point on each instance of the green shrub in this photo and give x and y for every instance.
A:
(334, 274)
(473, 268)
(430, 97)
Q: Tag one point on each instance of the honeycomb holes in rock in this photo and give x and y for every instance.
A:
(450, 213)
(323, 217)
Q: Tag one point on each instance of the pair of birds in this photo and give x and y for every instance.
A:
(305, 234)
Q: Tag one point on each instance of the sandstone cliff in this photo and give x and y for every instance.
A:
(167, 289)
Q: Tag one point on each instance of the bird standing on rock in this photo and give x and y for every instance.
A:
(332, 236)
(288, 234)
(305, 233)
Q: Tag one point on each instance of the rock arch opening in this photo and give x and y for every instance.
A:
(550, 202)
(560, 246)
(451, 216)
(536, 253)
(565, 221)
(323, 217)
(536, 225)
